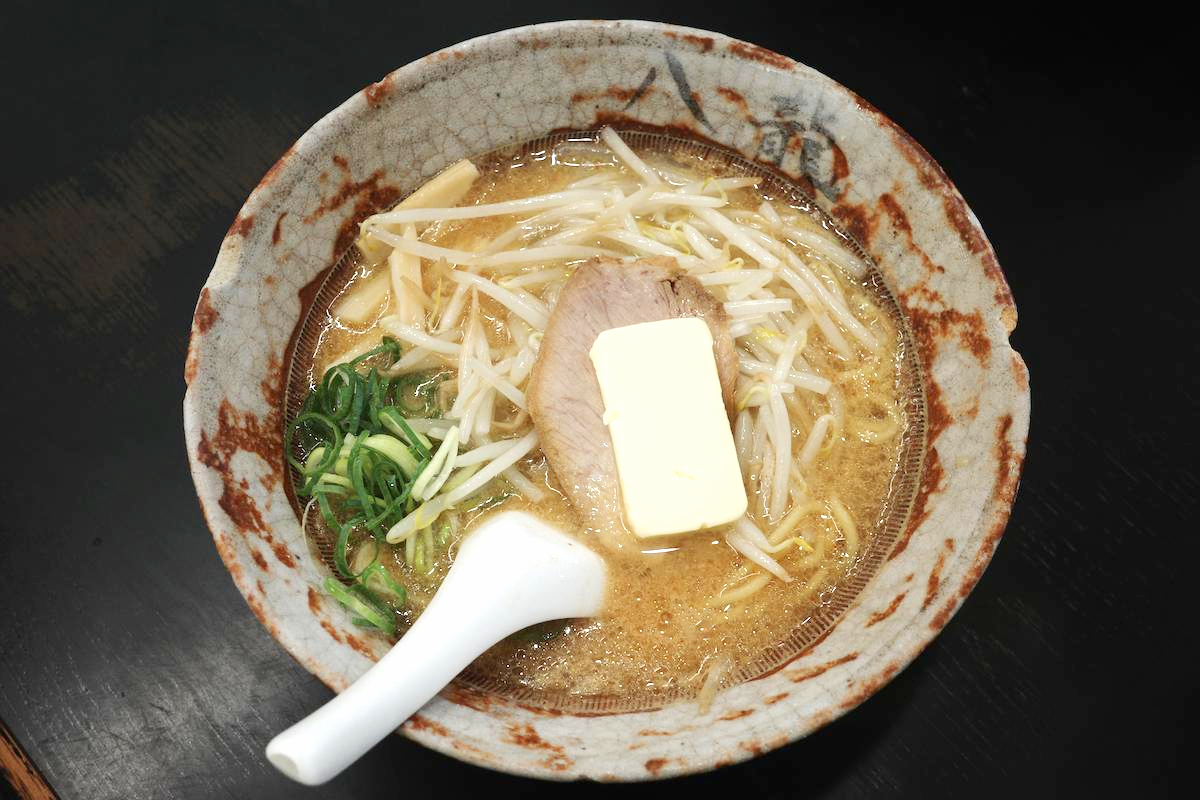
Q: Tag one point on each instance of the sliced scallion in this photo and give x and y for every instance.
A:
(356, 455)
(361, 601)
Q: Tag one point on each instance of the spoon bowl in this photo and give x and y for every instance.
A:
(513, 572)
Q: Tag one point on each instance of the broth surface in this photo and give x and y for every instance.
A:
(666, 628)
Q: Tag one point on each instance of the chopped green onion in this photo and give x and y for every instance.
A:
(389, 346)
(355, 453)
(328, 478)
(363, 602)
(391, 419)
(393, 448)
(427, 540)
(377, 578)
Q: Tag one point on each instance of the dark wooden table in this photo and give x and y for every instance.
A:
(130, 666)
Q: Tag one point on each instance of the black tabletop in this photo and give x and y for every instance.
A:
(130, 667)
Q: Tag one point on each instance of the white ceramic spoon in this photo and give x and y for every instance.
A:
(513, 572)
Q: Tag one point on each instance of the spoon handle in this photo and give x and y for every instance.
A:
(513, 572)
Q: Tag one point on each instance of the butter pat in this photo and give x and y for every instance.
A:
(676, 461)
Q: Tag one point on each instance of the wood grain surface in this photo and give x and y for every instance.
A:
(131, 668)
(22, 775)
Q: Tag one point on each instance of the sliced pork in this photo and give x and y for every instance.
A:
(564, 396)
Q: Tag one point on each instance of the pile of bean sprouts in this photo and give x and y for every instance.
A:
(774, 269)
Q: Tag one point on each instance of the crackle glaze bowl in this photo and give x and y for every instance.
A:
(517, 85)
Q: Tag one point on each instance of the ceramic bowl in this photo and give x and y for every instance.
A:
(512, 86)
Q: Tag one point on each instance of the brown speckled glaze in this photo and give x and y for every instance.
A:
(513, 86)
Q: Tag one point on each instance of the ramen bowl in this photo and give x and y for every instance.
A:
(514, 86)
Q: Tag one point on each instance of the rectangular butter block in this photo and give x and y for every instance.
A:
(676, 461)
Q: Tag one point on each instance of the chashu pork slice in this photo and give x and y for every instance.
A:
(564, 395)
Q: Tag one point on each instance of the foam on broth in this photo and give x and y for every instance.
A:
(663, 632)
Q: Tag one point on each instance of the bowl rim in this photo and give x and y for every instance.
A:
(994, 515)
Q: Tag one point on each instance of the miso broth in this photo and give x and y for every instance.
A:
(684, 613)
